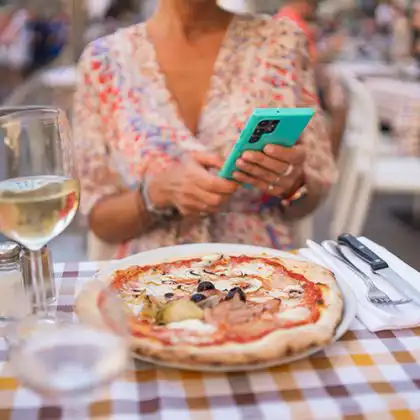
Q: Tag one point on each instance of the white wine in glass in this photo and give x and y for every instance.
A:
(34, 210)
(39, 190)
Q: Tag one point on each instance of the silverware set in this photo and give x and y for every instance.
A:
(379, 268)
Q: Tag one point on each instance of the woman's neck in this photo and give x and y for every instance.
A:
(188, 17)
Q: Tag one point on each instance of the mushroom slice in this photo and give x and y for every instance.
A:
(208, 260)
(252, 285)
(294, 291)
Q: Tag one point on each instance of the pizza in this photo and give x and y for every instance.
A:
(223, 310)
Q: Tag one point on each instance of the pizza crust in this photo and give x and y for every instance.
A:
(272, 347)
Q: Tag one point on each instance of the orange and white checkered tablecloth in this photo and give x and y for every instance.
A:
(363, 376)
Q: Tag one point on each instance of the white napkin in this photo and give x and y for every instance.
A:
(375, 319)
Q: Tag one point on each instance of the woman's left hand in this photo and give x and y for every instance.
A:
(276, 171)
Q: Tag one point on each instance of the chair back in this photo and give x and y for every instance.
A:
(362, 131)
(98, 250)
(359, 150)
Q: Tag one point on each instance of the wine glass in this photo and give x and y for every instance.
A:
(67, 362)
(39, 190)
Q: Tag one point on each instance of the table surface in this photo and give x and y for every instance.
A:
(365, 375)
(365, 68)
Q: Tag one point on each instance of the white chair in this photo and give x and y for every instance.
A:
(360, 141)
(98, 250)
(368, 165)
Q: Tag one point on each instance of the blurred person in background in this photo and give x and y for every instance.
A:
(50, 34)
(15, 47)
(401, 38)
(159, 106)
(415, 29)
(119, 14)
(384, 16)
(325, 43)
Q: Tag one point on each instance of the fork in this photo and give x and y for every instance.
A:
(374, 294)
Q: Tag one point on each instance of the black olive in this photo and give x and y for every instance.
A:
(169, 295)
(234, 291)
(198, 297)
(205, 285)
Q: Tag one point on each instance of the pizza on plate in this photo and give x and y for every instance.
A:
(221, 310)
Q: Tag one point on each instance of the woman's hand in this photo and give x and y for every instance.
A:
(191, 187)
(275, 171)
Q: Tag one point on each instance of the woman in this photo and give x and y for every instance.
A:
(158, 107)
(401, 42)
(415, 28)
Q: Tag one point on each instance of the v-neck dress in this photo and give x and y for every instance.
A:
(126, 121)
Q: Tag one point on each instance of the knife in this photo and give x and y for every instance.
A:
(379, 266)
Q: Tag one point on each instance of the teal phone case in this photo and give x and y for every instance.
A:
(291, 123)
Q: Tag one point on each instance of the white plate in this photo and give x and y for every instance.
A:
(188, 251)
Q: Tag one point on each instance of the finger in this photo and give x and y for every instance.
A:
(204, 199)
(258, 171)
(266, 187)
(190, 205)
(294, 155)
(208, 160)
(212, 183)
(215, 184)
(263, 161)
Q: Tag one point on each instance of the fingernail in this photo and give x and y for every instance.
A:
(269, 149)
(247, 156)
(240, 162)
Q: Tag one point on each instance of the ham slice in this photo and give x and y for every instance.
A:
(236, 312)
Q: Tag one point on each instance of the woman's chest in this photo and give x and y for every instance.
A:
(198, 102)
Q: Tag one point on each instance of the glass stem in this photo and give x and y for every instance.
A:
(38, 283)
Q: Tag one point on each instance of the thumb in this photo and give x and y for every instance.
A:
(208, 159)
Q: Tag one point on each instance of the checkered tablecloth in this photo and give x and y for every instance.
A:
(398, 103)
(363, 376)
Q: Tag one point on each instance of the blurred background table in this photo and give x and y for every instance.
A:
(365, 68)
(398, 104)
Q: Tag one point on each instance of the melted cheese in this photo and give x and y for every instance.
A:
(208, 260)
(181, 273)
(294, 314)
(224, 285)
(278, 294)
(193, 325)
(159, 290)
(259, 299)
(258, 269)
(135, 308)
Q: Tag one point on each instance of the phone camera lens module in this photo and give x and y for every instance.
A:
(263, 124)
(272, 126)
(254, 138)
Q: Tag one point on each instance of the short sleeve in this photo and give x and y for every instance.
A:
(96, 178)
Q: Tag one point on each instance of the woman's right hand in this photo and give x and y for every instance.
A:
(190, 187)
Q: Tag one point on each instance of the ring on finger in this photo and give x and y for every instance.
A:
(277, 180)
(288, 170)
(270, 187)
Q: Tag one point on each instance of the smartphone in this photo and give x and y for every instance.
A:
(282, 126)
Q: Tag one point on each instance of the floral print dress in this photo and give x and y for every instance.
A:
(126, 121)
